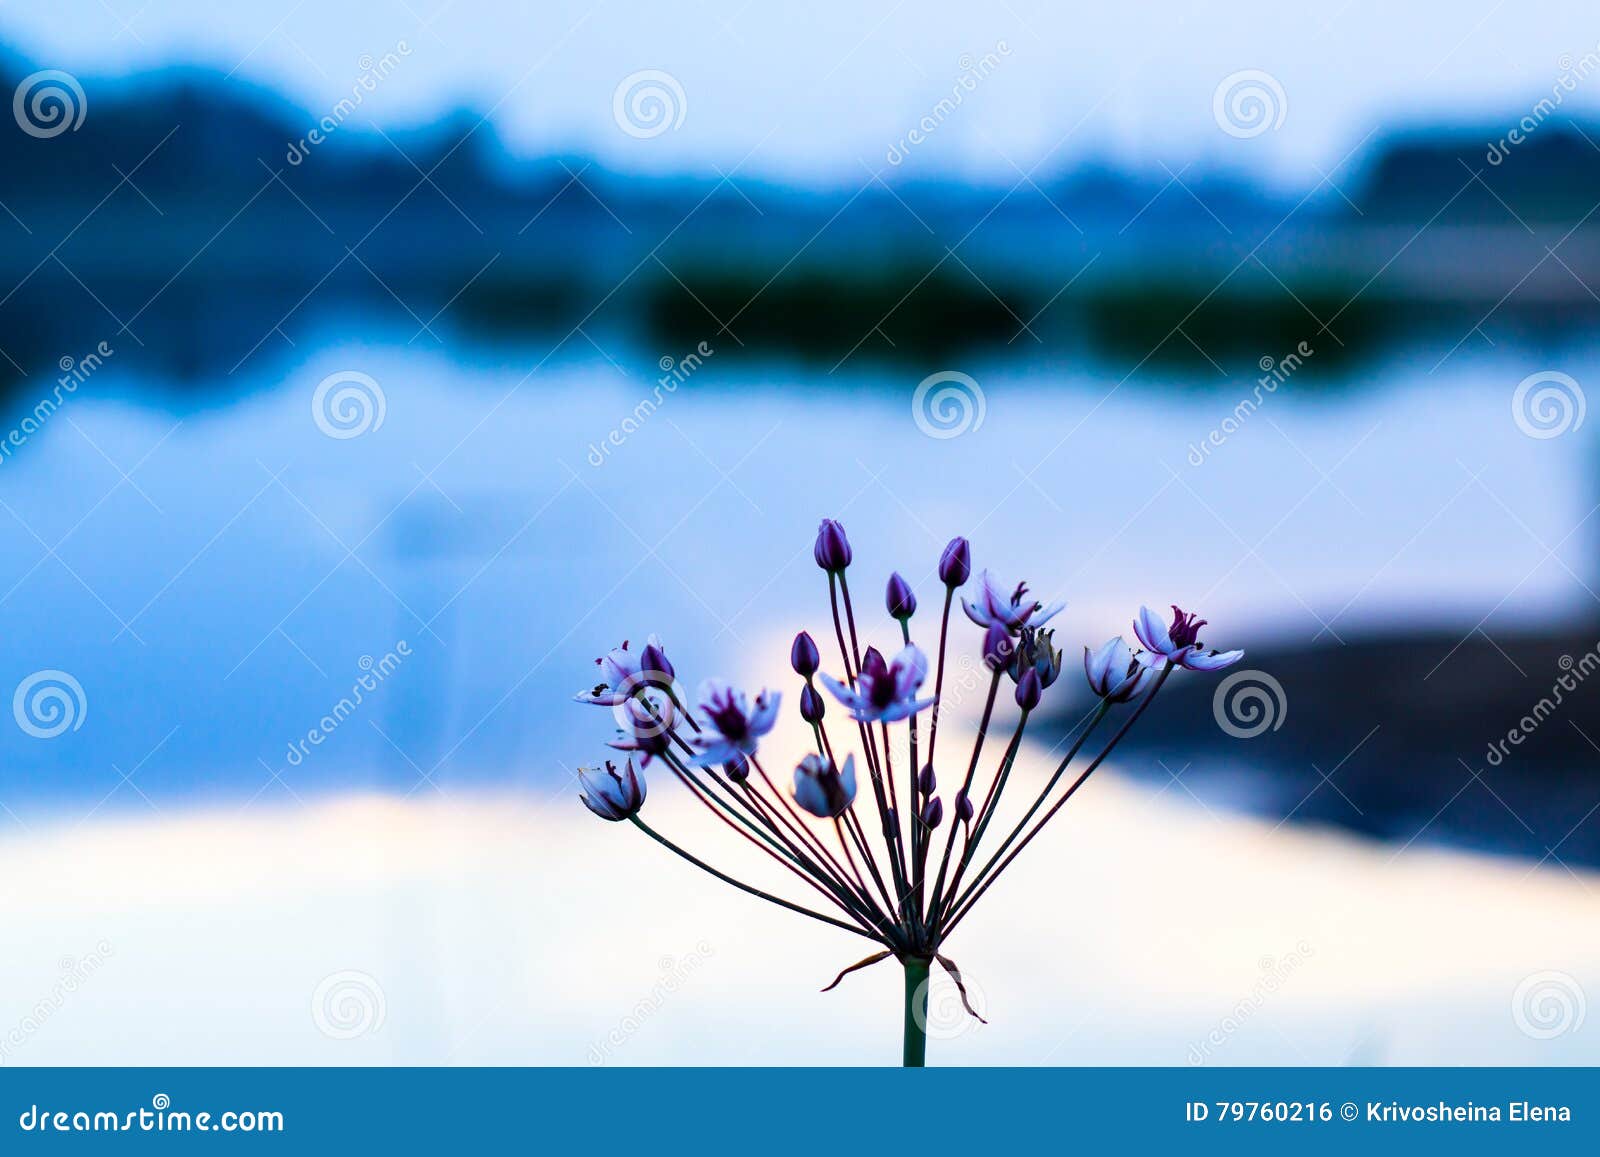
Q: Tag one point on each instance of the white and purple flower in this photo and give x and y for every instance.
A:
(623, 672)
(1114, 673)
(610, 794)
(884, 692)
(1011, 612)
(1179, 643)
(734, 730)
(824, 790)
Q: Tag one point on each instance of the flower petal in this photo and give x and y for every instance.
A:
(840, 691)
(715, 750)
(1044, 614)
(766, 712)
(809, 795)
(910, 668)
(1152, 632)
(1098, 665)
(1198, 660)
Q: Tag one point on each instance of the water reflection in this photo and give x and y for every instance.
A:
(218, 579)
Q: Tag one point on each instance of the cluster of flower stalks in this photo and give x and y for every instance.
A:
(904, 869)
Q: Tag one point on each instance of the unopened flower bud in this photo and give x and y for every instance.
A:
(812, 706)
(955, 564)
(1028, 690)
(997, 647)
(926, 780)
(653, 661)
(803, 656)
(832, 551)
(899, 598)
(933, 813)
(738, 770)
(963, 807)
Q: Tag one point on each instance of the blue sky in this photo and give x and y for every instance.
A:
(817, 90)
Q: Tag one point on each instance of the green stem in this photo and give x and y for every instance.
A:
(915, 1054)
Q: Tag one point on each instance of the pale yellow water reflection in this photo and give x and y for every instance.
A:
(518, 929)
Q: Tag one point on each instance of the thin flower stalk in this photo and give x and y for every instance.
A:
(1098, 713)
(1068, 794)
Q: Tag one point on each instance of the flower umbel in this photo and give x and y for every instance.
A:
(882, 860)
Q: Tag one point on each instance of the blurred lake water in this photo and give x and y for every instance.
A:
(218, 578)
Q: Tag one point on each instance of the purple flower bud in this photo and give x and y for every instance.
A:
(963, 807)
(933, 813)
(900, 599)
(997, 647)
(812, 706)
(653, 660)
(832, 551)
(955, 564)
(738, 770)
(1028, 690)
(926, 780)
(803, 656)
